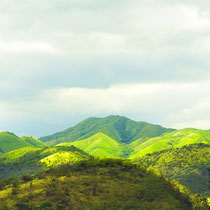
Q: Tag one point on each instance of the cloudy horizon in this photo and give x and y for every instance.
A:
(62, 61)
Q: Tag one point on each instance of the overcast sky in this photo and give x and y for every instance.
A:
(64, 60)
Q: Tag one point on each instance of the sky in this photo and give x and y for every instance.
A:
(62, 61)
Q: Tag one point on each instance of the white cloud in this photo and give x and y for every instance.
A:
(173, 104)
(25, 47)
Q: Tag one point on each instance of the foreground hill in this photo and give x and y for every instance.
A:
(121, 129)
(9, 142)
(104, 184)
(101, 145)
(189, 165)
(30, 160)
(170, 140)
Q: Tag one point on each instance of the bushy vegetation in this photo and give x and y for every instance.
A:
(99, 184)
(189, 165)
(121, 129)
(30, 160)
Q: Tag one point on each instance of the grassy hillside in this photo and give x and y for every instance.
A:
(9, 142)
(30, 160)
(189, 165)
(119, 128)
(33, 141)
(170, 140)
(100, 145)
(94, 184)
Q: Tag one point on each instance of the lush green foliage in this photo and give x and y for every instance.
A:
(189, 165)
(121, 129)
(99, 184)
(170, 140)
(30, 160)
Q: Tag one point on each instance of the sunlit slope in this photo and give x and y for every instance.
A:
(9, 142)
(30, 160)
(121, 129)
(190, 165)
(100, 145)
(170, 140)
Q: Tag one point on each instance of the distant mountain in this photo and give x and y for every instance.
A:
(101, 145)
(170, 140)
(189, 165)
(9, 142)
(121, 129)
(30, 160)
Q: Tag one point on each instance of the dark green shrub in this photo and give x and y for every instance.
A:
(46, 206)
(22, 206)
(26, 178)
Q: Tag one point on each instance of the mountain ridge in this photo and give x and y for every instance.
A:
(120, 128)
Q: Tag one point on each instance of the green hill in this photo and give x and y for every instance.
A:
(33, 141)
(170, 140)
(9, 142)
(121, 129)
(30, 160)
(97, 184)
(189, 165)
(100, 145)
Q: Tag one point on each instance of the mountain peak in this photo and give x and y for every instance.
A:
(120, 128)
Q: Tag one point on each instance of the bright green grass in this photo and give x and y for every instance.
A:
(170, 140)
(9, 142)
(62, 157)
(99, 145)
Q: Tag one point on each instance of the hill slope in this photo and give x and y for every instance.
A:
(100, 145)
(105, 184)
(119, 128)
(170, 140)
(189, 165)
(30, 160)
(9, 142)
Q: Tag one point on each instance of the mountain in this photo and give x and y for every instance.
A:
(97, 184)
(170, 140)
(101, 145)
(30, 160)
(121, 129)
(189, 165)
(9, 142)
